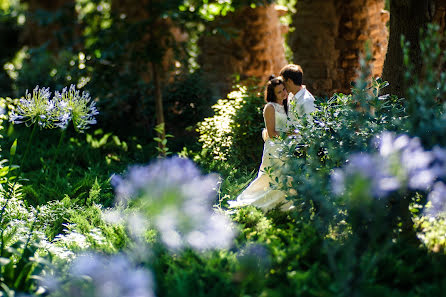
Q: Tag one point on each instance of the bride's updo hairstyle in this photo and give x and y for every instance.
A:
(270, 96)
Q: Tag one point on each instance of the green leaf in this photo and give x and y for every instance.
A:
(13, 148)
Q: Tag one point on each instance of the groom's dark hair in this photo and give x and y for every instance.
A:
(293, 72)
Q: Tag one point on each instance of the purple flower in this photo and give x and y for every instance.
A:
(401, 163)
(437, 199)
(112, 276)
(178, 200)
(15, 118)
(370, 168)
(439, 163)
(81, 109)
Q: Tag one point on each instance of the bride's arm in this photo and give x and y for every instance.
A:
(270, 120)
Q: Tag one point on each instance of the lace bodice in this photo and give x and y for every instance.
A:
(280, 117)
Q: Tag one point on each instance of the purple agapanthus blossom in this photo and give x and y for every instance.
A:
(39, 108)
(416, 165)
(77, 107)
(35, 108)
(368, 167)
(401, 163)
(112, 276)
(179, 202)
(436, 200)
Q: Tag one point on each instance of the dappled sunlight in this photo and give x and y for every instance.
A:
(132, 129)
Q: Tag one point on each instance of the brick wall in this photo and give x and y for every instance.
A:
(255, 47)
(329, 37)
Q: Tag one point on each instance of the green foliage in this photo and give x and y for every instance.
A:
(327, 246)
(188, 101)
(215, 275)
(9, 36)
(425, 101)
(19, 275)
(163, 150)
(97, 234)
(342, 125)
(233, 134)
(19, 264)
(40, 67)
(432, 232)
(81, 163)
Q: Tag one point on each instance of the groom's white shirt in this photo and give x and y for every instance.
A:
(299, 104)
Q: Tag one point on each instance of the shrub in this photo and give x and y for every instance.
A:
(233, 134)
(425, 102)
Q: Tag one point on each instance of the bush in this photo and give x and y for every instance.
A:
(187, 100)
(233, 134)
(425, 103)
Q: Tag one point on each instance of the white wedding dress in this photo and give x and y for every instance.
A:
(259, 193)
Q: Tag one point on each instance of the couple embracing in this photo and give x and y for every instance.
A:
(287, 99)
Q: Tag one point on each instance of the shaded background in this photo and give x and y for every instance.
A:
(152, 61)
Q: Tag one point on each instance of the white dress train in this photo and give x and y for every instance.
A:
(259, 192)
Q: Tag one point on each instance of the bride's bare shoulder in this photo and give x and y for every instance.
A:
(268, 105)
(269, 108)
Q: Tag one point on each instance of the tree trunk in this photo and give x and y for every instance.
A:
(407, 17)
(158, 97)
(151, 55)
(248, 42)
(439, 17)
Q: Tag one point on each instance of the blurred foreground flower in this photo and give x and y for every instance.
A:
(400, 164)
(94, 275)
(178, 201)
(437, 200)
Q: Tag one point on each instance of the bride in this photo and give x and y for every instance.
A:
(259, 193)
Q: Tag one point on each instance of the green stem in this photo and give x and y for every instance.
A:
(28, 146)
(8, 174)
(61, 138)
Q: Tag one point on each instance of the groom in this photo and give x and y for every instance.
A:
(300, 101)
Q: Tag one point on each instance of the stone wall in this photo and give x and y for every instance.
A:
(248, 42)
(330, 36)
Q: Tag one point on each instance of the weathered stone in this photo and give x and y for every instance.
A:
(348, 24)
(385, 16)
(351, 55)
(281, 10)
(256, 47)
(344, 27)
(362, 36)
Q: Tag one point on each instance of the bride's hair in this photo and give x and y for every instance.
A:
(270, 96)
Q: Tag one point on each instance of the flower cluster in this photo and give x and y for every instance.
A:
(178, 200)
(101, 276)
(56, 112)
(401, 163)
(76, 107)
